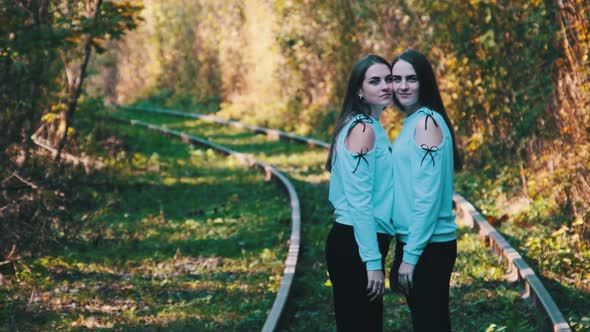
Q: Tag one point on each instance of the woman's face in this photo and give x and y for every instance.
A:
(376, 87)
(405, 84)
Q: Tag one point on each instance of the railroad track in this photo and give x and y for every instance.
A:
(518, 269)
(271, 172)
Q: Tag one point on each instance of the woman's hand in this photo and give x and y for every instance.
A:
(376, 284)
(406, 277)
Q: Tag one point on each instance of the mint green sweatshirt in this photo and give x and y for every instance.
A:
(361, 190)
(423, 188)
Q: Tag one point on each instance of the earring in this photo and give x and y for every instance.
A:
(362, 99)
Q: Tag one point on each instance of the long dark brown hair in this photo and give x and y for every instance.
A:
(429, 94)
(353, 105)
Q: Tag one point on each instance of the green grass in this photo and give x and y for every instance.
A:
(187, 239)
(550, 243)
(481, 299)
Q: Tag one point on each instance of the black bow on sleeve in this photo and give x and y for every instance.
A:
(428, 151)
(360, 156)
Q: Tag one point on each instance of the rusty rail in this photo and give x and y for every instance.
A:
(518, 269)
(271, 133)
(282, 296)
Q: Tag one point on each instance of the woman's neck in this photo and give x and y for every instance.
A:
(376, 111)
(412, 109)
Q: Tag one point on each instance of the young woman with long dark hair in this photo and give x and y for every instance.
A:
(360, 161)
(425, 156)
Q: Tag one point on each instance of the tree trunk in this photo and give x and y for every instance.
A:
(75, 81)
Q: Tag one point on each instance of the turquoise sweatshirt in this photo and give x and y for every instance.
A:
(423, 188)
(360, 190)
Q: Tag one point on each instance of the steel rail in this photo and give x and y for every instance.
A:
(518, 269)
(282, 296)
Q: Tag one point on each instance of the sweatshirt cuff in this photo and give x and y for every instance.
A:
(410, 258)
(374, 265)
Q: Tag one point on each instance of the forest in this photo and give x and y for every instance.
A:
(515, 79)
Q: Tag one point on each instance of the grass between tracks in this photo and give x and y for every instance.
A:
(184, 239)
(481, 300)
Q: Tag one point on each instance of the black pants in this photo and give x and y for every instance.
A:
(348, 274)
(429, 297)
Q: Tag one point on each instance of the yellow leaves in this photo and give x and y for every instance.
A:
(564, 130)
(578, 222)
(488, 18)
(304, 129)
(474, 142)
(54, 112)
(451, 62)
(72, 39)
(533, 242)
(560, 231)
(98, 43)
(92, 322)
(59, 107)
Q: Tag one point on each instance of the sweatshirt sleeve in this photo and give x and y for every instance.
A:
(358, 179)
(427, 173)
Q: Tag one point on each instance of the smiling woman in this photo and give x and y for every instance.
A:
(423, 219)
(406, 84)
(360, 191)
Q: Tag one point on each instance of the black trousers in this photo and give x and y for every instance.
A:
(348, 274)
(429, 297)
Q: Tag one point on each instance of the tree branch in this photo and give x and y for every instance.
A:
(76, 88)
(26, 9)
(30, 184)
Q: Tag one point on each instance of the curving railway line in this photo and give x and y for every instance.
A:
(518, 269)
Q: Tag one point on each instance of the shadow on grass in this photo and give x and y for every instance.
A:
(150, 303)
(227, 216)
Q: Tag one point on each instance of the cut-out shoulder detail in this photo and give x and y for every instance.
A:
(428, 132)
(429, 114)
(361, 138)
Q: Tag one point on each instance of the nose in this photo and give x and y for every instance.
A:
(404, 85)
(386, 86)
